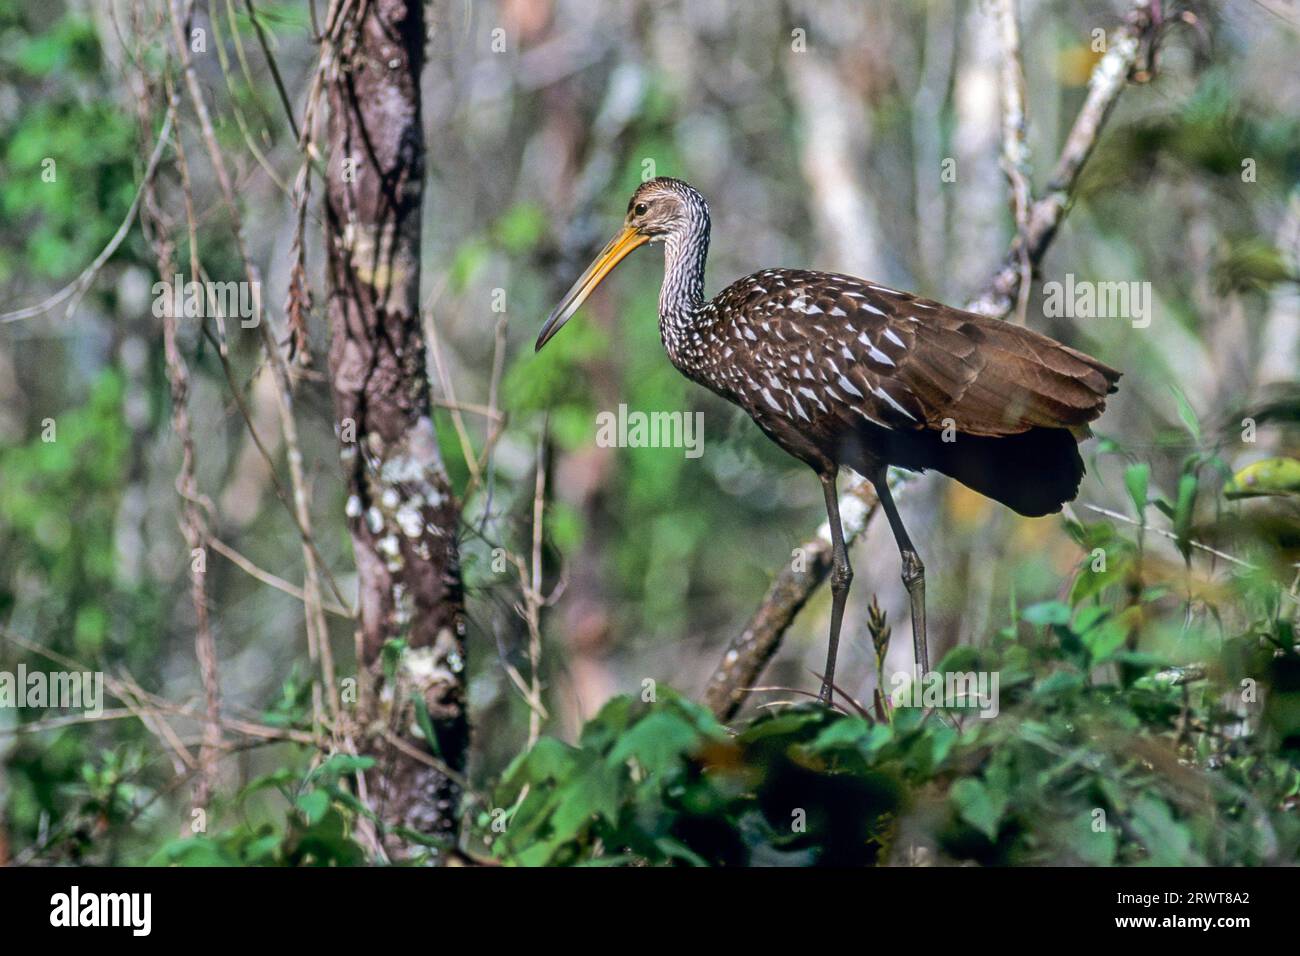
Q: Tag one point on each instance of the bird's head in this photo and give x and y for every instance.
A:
(660, 210)
(663, 208)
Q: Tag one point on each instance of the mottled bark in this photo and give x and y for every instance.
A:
(401, 514)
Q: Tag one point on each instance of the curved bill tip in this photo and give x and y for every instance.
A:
(613, 253)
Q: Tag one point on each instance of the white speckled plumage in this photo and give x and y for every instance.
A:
(862, 346)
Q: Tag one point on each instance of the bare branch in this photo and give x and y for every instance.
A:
(1108, 80)
(533, 594)
(1015, 150)
(266, 577)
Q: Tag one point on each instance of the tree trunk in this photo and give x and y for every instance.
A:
(401, 513)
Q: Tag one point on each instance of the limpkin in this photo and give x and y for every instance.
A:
(841, 372)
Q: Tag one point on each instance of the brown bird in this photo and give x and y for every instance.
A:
(839, 371)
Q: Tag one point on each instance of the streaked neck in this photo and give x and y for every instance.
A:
(682, 293)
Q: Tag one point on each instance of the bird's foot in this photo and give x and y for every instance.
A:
(913, 569)
(914, 581)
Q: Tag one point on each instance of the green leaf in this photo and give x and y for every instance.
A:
(791, 722)
(595, 791)
(658, 742)
(1187, 414)
(1047, 612)
(277, 779)
(343, 764)
(1137, 479)
(1089, 582)
(932, 748)
(314, 804)
(1093, 847)
(1061, 683)
(262, 848)
(1187, 485)
(325, 843)
(426, 724)
(1272, 476)
(674, 849)
(1167, 842)
(549, 759)
(391, 655)
(1105, 639)
(339, 765)
(979, 806)
(192, 851)
(602, 730)
(848, 732)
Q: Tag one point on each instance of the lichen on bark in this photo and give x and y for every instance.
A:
(402, 515)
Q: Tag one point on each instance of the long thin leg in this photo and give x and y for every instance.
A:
(913, 573)
(841, 578)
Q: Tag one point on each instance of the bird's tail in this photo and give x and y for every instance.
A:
(1033, 473)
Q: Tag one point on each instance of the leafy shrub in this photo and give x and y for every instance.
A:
(1071, 771)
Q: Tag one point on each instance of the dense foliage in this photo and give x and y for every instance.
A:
(1134, 724)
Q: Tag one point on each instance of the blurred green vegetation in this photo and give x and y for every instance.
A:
(59, 225)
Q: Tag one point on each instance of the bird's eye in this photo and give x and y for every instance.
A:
(640, 209)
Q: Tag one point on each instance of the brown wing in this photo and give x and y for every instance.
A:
(833, 345)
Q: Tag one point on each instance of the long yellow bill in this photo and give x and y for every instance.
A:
(614, 253)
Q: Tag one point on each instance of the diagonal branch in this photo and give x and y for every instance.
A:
(1015, 149)
(275, 581)
(1108, 80)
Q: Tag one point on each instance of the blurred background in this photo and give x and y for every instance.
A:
(818, 132)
